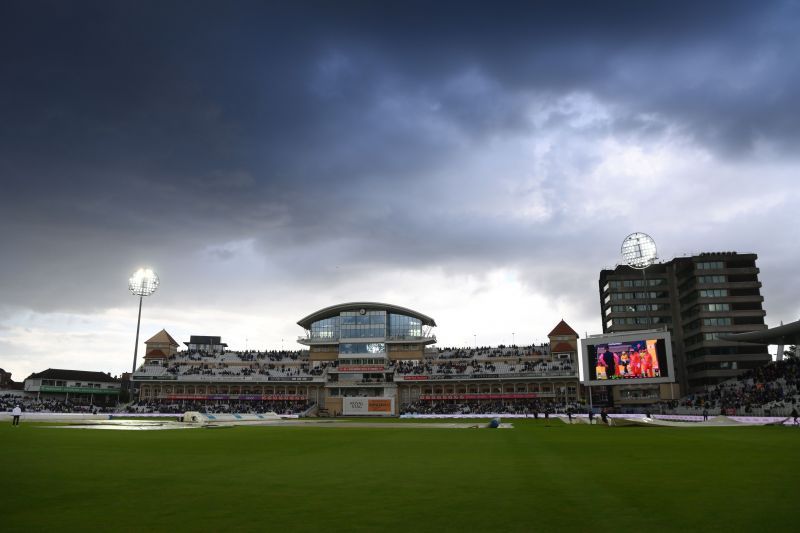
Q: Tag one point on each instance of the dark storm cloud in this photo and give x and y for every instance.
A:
(135, 130)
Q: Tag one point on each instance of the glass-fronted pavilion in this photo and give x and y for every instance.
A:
(366, 327)
(360, 339)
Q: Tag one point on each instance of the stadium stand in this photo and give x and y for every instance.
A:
(34, 405)
(768, 390)
(362, 358)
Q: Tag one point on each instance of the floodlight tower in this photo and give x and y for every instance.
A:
(639, 252)
(144, 282)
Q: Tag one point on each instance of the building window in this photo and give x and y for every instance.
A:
(711, 279)
(713, 293)
(710, 265)
(362, 348)
(642, 283)
(326, 329)
(404, 326)
(722, 321)
(638, 308)
(714, 335)
(355, 325)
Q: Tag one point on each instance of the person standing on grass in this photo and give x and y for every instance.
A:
(16, 413)
(794, 416)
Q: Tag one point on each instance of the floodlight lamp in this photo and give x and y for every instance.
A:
(144, 282)
(639, 250)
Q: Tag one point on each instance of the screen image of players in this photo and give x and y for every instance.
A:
(606, 362)
(631, 360)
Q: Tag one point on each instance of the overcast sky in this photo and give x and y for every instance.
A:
(479, 163)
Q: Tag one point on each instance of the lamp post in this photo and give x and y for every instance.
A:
(143, 282)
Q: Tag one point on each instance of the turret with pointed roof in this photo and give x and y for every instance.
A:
(562, 329)
(160, 345)
(564, 340)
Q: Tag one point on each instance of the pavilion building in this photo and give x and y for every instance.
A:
(362, 359)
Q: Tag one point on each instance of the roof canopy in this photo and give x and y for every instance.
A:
(786, 334)
(334, 310)
(73, 375)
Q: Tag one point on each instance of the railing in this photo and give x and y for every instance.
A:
(741, 411)
(487, 375)
(411, 338)
(249, 379)
(644, 397)
(309, 338)
(388, 338)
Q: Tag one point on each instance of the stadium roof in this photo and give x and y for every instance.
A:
(162, 337)
(155, 353)
(562, 328)
(784, 334)
(72, 375)
(334, 310)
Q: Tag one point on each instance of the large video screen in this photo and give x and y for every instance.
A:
(628, 359)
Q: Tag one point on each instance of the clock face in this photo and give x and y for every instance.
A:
(362, 311)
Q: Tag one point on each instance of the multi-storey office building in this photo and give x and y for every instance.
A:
(697, 299)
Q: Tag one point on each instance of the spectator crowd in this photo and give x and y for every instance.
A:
(774, 385)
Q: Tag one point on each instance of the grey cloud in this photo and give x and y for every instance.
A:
(335, 136)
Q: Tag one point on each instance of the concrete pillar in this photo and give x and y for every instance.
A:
(779, 355)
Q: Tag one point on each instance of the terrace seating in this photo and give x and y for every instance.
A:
(774, 387)
(467, 368)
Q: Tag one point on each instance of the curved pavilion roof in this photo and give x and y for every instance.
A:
(785, 334)
(334, 310)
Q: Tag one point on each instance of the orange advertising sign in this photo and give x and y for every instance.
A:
(379, 406)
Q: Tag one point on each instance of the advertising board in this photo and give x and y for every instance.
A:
(366, 406)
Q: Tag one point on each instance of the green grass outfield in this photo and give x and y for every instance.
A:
(535, 477)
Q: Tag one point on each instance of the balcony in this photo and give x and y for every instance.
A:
(412, 339)
(391, 339)
(308, 341)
